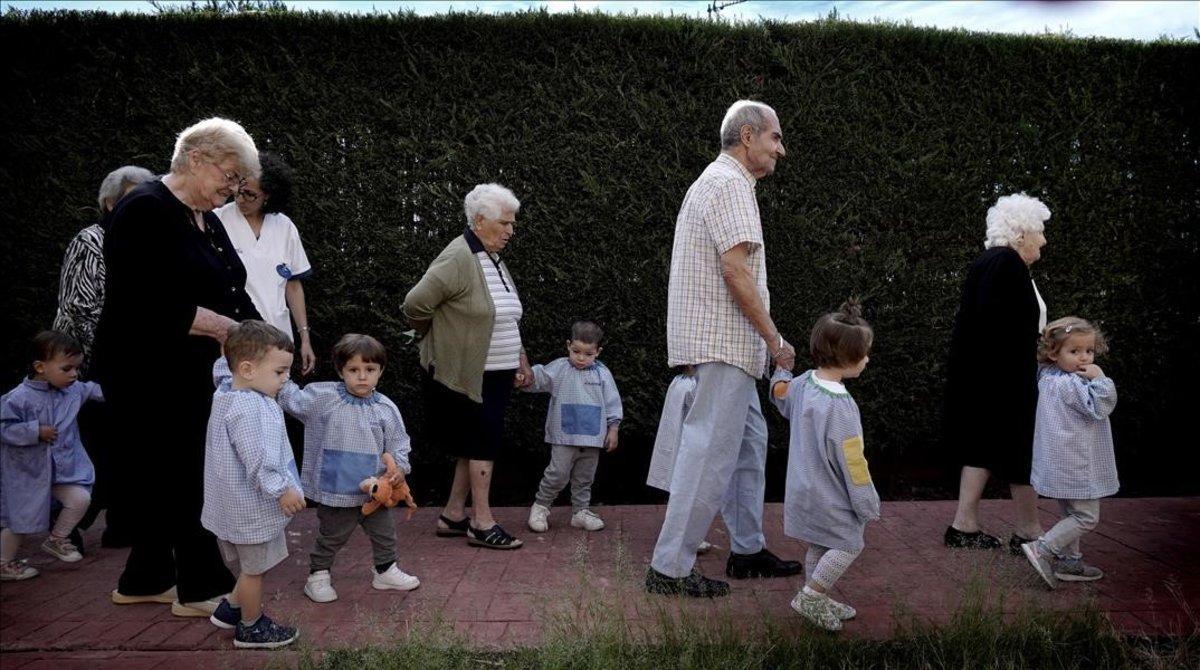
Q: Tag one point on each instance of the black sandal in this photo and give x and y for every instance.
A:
(492, 538)
(453, 528)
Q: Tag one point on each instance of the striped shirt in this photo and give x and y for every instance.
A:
(704, 323)
(504, 352)
(81, 287)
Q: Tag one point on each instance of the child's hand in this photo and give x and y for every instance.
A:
(1090, 371)
(610, 440)
(47, 433)
(398, 479)
(291, 501)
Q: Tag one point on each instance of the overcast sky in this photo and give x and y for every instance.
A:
(1110, 18)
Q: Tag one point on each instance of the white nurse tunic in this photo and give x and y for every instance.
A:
(271, 259)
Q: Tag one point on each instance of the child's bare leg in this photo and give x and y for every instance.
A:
(248, 592)
(10, 542)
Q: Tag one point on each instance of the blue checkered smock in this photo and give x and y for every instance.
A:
(828, 496)
(345, 438)
(583, 403)
(248, 465)
(1072, 439)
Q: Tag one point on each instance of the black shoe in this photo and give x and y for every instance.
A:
(760, 565)
(957, 539)
(694, 585)
(1015, 542)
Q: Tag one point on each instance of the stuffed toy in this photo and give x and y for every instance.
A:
(384, 494)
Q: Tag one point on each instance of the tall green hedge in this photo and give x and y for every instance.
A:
(898, 140)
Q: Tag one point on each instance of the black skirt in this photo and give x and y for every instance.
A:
(462, 427)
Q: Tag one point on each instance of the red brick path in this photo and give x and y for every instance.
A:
(1149, 548)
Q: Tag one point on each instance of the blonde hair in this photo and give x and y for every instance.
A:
(1058, 331)
(217, 139)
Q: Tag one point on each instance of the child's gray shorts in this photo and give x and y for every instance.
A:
(255, 559)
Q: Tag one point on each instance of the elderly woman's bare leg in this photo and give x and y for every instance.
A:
(1025, 505)
(481, 486)
(970, 490)
(456, 505)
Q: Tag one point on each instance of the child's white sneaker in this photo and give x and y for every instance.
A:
(538, 518)
(705, 547)
(62, 549)
(319, 587)
(841, 610)
(15, 571)
(1039, 556)
(816, 609)
(394, 579)
(587, 520)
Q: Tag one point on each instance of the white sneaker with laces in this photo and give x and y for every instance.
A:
(15, 571)
(62, 549)
(319, 587)
(587, 520)
(538, 518)
(816, 609)
(394, 579)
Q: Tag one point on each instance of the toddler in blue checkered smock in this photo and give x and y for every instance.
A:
(1073, 458)
(583, 419)
(251, 487)
(348, 427)
(828, 495)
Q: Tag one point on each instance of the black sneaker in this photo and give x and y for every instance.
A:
(760, 565)
(1015, 542)
(264, 634)
(694, 585)
(957, 539)
(226, 616)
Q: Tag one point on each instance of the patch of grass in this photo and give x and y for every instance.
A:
(592, 626)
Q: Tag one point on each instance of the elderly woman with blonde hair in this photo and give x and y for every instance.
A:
(174, 287)
(991, 389)
(467, 310)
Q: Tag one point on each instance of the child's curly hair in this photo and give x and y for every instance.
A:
(841, 338)
(1057, 332)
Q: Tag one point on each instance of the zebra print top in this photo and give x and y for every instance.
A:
(81, 287)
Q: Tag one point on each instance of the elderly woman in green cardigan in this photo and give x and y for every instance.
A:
(467, 311)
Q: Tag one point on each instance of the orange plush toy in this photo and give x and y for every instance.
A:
(384, 494)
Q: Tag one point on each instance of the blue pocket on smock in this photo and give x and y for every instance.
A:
(581, 419)
(342, 471)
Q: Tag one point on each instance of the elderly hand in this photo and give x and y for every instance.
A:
(783, 355)
(308, 359)
(524, 375)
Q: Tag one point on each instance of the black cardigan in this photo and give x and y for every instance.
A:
(991, 386)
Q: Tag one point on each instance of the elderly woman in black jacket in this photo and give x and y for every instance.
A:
(991, 390)
(174, 286)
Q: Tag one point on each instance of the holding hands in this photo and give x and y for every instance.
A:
(291, 501)
(782, 353)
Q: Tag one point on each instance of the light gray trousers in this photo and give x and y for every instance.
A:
(1079, 518)
(721, 465)
(574, 464)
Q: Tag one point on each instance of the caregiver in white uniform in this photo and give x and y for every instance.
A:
(269, 246)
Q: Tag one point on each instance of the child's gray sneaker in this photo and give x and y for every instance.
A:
(1075, 570)
(1039, 556)
(816, 609)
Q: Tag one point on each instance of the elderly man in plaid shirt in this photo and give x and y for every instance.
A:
(719, 320)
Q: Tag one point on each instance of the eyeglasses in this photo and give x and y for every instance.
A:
(247, 195)
(231, 176)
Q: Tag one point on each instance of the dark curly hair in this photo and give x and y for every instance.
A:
(275, 182)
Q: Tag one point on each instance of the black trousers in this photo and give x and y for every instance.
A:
(184, 555)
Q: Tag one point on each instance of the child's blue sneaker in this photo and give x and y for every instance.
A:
(226, 616)
(264, 634)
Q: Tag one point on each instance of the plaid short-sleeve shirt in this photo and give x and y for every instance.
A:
(704, 324)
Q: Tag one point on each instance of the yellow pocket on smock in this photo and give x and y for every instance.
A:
(856, 461)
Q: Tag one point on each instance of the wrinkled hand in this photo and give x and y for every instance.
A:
(291, 501)
(1090, 371)
(782, 355)
(308, 360)
(610, 440)
(47, 433)
(524, 376)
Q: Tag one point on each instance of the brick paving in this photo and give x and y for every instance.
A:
(1149, 548)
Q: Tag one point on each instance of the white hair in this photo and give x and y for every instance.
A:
(1012, 216)
(490, 200)
(217, 139)
(743, 113)
(118, 181)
